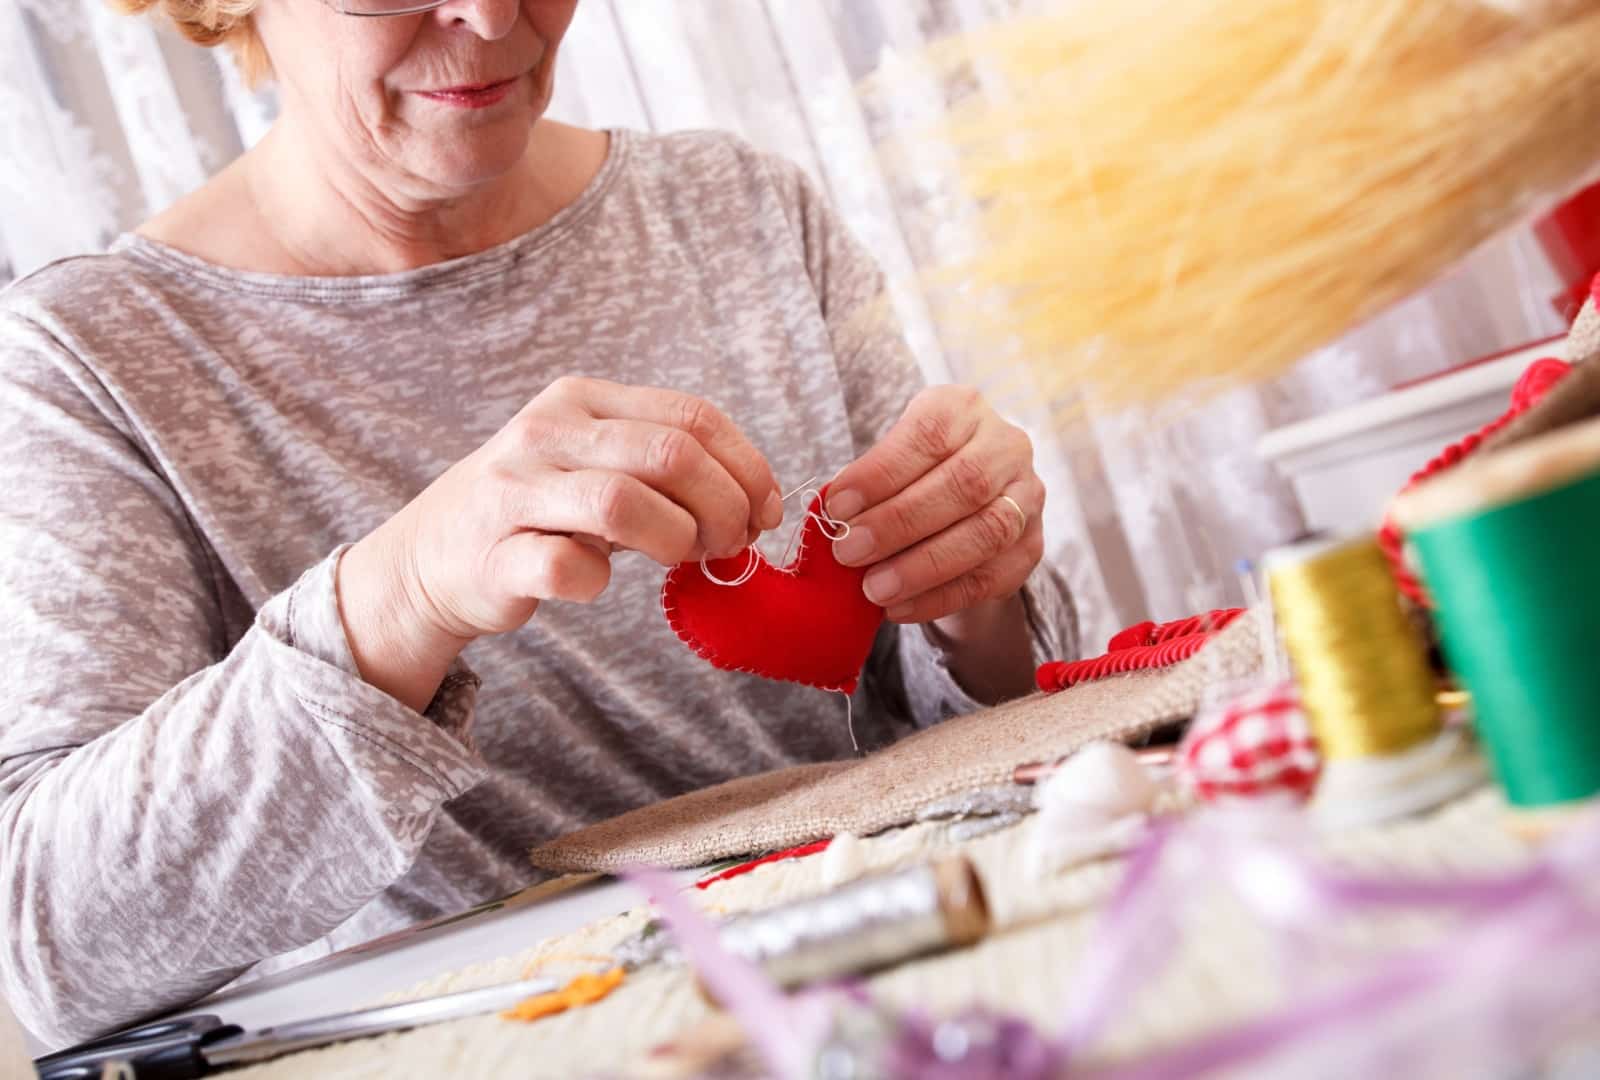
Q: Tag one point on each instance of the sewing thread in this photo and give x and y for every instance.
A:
(1363, 672)
(1517, 600)
(832, 528)
(872, 922)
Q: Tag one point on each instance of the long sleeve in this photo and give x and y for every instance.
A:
(907, 674)
(174, 806)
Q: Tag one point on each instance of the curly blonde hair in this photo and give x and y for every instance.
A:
(214, 22)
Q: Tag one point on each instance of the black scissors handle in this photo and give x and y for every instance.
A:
(165, 1050)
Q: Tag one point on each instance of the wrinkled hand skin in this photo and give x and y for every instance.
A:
(933, 510)
(586, 468)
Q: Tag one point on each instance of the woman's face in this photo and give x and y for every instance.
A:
(440, 100)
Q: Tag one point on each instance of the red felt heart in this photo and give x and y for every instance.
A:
(808, 623)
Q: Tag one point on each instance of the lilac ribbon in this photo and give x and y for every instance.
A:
(990, 1047)
(1541, 923)
(786, 1033)
(1538, 912)
(1131, 937)
(1523, 938)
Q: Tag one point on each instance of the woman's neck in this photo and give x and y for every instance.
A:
(286, 208)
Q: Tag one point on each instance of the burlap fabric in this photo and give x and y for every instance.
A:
(891, 787)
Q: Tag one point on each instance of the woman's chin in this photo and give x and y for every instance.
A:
(469, 158)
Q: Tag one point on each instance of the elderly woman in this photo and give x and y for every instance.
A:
(335, 494)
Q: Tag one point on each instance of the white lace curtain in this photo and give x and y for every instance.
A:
(105, 119)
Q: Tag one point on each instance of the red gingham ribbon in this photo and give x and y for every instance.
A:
(1257, 743)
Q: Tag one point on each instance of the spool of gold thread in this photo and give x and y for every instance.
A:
(1363, 672)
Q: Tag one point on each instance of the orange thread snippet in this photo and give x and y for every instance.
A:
(584, 990)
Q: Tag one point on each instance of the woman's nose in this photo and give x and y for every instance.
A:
(489, 19)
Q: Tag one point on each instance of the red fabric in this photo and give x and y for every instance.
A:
(1138, 648)
(1534, 383)
(808, 623)
(1256, 744)
(777, 856)
(1570, 236)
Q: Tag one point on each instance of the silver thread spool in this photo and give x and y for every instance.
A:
(871, 923)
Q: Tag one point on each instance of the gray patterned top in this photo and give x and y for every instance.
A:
(193, 777)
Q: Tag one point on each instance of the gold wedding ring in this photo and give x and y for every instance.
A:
(1021, 513)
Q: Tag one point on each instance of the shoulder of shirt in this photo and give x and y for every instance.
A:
(49, 315)
(709, 157)
(71, 288)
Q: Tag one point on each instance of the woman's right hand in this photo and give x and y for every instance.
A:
(585, 468)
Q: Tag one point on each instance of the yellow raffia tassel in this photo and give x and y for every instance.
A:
(1187, 194)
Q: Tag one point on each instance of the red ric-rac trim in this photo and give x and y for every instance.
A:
(1144, 647)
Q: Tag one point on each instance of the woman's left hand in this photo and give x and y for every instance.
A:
(945, 509)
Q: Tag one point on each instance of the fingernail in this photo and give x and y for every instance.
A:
(901, 612)
(772, 511)
(846, 505)
(881, 586)
(855, 548)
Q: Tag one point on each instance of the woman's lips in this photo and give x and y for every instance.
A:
(472, 97)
